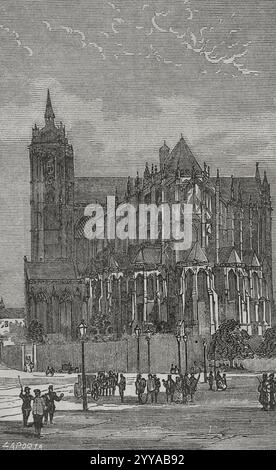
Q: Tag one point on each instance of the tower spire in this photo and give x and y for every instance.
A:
(49, 113)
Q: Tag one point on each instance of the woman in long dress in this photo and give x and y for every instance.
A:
(178, 396)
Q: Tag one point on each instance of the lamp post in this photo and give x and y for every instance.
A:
(178, 339)
(137, 332)
(148, 338)
(83, 329)
(205, 359)
(185, 339)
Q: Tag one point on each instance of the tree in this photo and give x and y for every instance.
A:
(230, 342)
(35, 332)
(268, 347)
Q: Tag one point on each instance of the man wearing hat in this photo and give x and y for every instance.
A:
(26, 398)
(38, 411)
(50, 407)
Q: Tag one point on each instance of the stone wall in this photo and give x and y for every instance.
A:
(117, 355)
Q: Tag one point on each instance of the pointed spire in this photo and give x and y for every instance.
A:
(128, 186)
(2, 305)
(49, 113)
(265, 181)
(137, 182)
(257, 173)
(146, 172)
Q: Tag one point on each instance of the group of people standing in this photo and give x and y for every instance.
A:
(177, 390)
(41, 406)
(150, 387)
(218, 379)
(267, 390)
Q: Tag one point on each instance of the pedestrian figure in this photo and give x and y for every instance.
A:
(186, 387)
(150, 388)
(224, 382)
(218, 380)
(169, 385)
(26, 405)
(50, 407)
(176, 370)
(193, 385)
(211, 380)
(264, 394)
(38, 412)
(140, 385)
(157, 386)
(178, 397)
(122, 387)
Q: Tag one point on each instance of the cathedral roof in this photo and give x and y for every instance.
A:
(53, 270)
(250, 258)
(182, 158)
(197, 254)
(228, 255)
(248, 185)
(91, 189)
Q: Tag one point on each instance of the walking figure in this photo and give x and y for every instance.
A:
(193, 385)
(211, 380)
(185, 388)
(122, 387)
(38, 412)
(157, 386)
(169, 385)
(50, 407)
(150, 388)
(26, 405)
(140, 385)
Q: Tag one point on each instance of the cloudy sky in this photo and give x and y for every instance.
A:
(124, 75)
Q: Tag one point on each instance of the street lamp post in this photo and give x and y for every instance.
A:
(185, 339)
(137, 332)
(148, 338)
(205, 359)
(83, 330)
(178, 339)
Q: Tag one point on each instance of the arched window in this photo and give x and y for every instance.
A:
(160, 284)
(255, 280)
(140, 285)
(188, 314)
(151, 287)
(241, 284)
(233, 292)
(202, 286)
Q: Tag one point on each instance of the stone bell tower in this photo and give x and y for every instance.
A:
(52, 190)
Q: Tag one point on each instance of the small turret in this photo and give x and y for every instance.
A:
(257, 173)
(163, 154)
(265, 182)
(146, 171)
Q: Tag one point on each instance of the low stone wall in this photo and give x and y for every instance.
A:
(260, 364)
(117, 355)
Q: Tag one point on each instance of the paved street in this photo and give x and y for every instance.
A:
(218, 420)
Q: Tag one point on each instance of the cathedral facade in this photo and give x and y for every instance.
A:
(115, 285)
